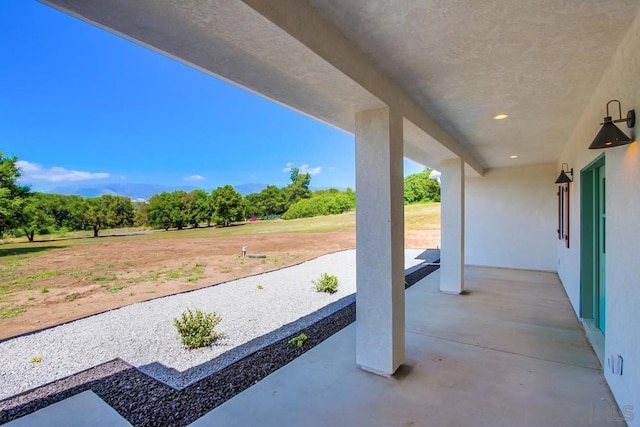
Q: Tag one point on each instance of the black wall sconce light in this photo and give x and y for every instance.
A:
(563, 178)
(564, 201)
(610, 135)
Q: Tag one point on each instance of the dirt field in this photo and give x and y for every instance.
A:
(50, 283)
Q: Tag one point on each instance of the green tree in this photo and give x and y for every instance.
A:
(198, 208)
(419, 188)
(299, 187)
(36, 217)
(274, 200)
(141, 218)
(270, 201)
(12, 195)
(67, 212)
(253, 206)
(179, 212)
(59, 207)
(228, 204)
(74, 210)
(95, 213)
(166, 210)
(120, 211)
(160, 210)
(211, 209)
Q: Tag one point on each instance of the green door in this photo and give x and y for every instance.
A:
(601, 285)
(593, 232)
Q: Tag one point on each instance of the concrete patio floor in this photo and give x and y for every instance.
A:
(509, 353)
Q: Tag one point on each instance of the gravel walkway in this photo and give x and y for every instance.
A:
(144, 336)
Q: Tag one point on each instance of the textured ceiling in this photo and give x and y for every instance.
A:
(461, 61)
(466, 61)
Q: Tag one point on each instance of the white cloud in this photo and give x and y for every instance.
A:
(304, 169)
(33, 172)
(312, 171)
(194, 178)
(288, 167)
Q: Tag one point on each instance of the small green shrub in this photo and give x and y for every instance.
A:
(260, 287)
(196, 328)
(327, 283)
(45, 290)
(299, 340)
(114, 289)
(36, 359)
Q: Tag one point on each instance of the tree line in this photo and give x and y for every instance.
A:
(44, 212)
(23, 212)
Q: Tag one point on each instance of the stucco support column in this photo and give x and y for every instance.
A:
(380, 340)
(452, 227)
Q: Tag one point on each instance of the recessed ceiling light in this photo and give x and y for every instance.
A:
(501, 117)
(513, 157)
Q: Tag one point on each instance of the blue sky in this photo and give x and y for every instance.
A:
(80, 106)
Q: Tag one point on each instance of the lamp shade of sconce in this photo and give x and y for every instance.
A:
(563, 178)
(609, 135)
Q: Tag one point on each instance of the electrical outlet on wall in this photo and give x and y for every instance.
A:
(615, 364)
(619, 363)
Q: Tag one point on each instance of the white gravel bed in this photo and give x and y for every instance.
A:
(144, 335)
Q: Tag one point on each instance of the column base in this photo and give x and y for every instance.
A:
(377, 372)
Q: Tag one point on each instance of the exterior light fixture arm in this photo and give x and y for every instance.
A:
(631, 115)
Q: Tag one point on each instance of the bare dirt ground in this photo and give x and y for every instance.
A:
(73, 282)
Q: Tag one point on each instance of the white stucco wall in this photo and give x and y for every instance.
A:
(511, 218)
(620, 81)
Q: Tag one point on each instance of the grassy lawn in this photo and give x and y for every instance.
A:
(76, 267)
(417, 217)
